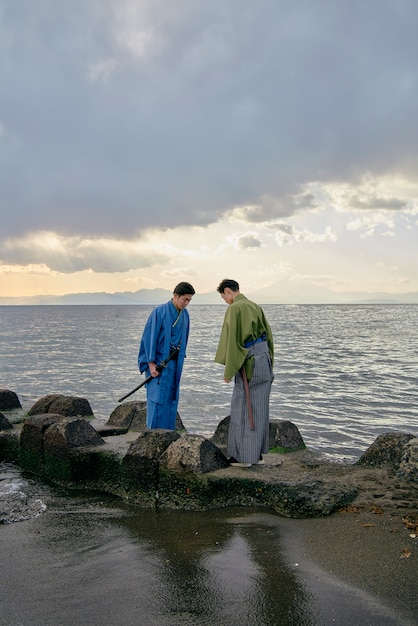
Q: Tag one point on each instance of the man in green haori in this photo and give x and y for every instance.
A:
(246, 350)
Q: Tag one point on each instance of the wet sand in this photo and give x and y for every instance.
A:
(368, 554)
(91, 562)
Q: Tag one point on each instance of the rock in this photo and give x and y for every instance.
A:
(4, 423)
(9, 445)
(285, 434)
(67, 433)
(47, 441)
(133, 416)
(408, 466)
(124, 414)
(167, 470)
(34, 428)
(282, 434)
(386, 451)
(193, 454)
(61, 441)
(9, 400)
(140, 465)
(152, 443)
(291, 492)
(68, 406)
(220, 436)
(43, 405)
(308, 498)
(31, 454)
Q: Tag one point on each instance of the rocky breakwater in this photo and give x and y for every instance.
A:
(59, 440)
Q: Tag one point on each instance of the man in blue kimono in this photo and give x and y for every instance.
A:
(167, 328)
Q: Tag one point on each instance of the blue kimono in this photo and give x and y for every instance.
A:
(166, 328)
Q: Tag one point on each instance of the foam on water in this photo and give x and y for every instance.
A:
(19, 499)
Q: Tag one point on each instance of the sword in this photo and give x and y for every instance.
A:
(161, 366)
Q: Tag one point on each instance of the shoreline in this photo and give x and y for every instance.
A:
(368, 556)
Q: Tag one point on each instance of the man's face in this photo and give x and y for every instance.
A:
(180, 302)
(227, 295)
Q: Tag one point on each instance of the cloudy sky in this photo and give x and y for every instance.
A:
(144, 142)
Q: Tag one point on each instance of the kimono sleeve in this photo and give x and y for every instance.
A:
(230, 352)
(149, 343)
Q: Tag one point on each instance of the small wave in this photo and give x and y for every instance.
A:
(16, 502)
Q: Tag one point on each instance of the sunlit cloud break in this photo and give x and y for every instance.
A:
(75, 254)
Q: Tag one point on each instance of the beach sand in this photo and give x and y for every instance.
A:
(370, 556)
(369, 548)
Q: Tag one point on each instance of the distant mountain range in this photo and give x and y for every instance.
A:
(284, 292)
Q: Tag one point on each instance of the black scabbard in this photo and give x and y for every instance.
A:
(172, 355)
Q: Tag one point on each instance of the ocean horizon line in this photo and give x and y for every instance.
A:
(200, 304)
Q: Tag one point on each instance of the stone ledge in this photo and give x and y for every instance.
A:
(176, 470)
(297, 484)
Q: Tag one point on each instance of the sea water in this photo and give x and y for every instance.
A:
(342, 374)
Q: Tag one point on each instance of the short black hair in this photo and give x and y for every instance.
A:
(182, 288)
(228, 283)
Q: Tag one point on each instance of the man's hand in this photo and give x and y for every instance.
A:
(153, 370)
(227, 380)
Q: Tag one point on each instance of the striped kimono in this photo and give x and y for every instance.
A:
(246, 341)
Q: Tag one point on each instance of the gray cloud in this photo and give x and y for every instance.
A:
(378, 203)
(68, 255)
(118, 116)
(282, 227)
(248, 241)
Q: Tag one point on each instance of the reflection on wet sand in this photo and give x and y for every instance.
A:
(222, 568)
(92, 561)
